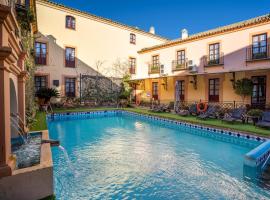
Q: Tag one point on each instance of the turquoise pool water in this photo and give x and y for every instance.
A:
(125, 157)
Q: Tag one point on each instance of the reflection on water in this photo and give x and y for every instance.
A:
(125, 158)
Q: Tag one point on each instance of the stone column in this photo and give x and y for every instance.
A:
(5, 138)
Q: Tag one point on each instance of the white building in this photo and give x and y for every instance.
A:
(71, 42)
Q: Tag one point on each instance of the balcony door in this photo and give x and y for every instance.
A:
(258, 98)
(155, 90)
(213, 90)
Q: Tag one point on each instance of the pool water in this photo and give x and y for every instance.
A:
(123, 157)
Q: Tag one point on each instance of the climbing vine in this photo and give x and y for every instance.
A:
(25, 19)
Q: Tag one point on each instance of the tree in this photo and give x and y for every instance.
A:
(244, 87)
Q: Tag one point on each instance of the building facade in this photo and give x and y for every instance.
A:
(207, 65)
(71, 42)
(13, 74)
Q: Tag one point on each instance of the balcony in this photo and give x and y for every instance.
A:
(154, 68)
(210, 62)
(70, 63)
(40, 59)
(132, 70)
(178, 65)
(256, 54)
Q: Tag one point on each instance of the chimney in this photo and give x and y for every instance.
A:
(152, 30)
(184, 34)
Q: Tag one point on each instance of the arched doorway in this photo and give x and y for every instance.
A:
(13, 109)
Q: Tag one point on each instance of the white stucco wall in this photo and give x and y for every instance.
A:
(94, 41)
(232, 44)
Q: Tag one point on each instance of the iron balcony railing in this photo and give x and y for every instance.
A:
(41, 59)
(132, 70)
(14, 4)
(257, 53)
(178, 65)
(154, 68)
(214, 60)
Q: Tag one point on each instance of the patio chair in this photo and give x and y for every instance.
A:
(183, 113)
(193, 109)
(157, 108)
(235, 115)
(265, 121)
(168, 107)
(211, 112)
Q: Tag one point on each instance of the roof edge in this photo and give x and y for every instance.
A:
(101, 19)
(220, 30)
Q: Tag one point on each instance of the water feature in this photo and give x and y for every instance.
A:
(18, 129)
(71, 168)
(27, 153)
(125, 157)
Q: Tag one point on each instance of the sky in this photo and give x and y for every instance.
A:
(169, 17)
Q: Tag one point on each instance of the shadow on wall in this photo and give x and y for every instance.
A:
(253, 65)
(92, 82)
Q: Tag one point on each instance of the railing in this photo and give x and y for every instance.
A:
(223, 105)
(70, 63)
(178, 65)
(208, 61)
(41, 59)
(13, 4)
(132, 70)
(154, 68)
(257, 53)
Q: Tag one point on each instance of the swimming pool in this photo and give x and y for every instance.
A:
(125, 156)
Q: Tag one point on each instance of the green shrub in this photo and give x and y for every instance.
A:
(255, 112)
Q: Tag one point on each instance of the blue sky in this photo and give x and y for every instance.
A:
(170, 16)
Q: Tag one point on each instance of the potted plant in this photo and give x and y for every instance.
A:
(255, 114)
(44, 95)
(243, 88)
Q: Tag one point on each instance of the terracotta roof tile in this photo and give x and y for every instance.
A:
(238, 25)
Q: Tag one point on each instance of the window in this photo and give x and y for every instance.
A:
(132, 38)
(214, 90)
(40, 82)
(70, 88)
(259, 46)
(181, 90)
(70, 22)
(70, 57)
(214, 53)
(132, 65)
(181, 57)
(40, 53)
(155, 90)
(258, 98)
(155, 61)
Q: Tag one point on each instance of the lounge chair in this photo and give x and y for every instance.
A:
(183, 113)
(235, 115)
(265, 121)
(211, 112)
(168, 107)
(193, 109)
(157, 108)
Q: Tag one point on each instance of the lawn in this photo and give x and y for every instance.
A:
(238, 126)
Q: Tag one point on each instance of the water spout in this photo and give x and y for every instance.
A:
(69, 163)
(53, 143)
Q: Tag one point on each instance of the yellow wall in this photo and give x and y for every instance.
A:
(227, 92)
